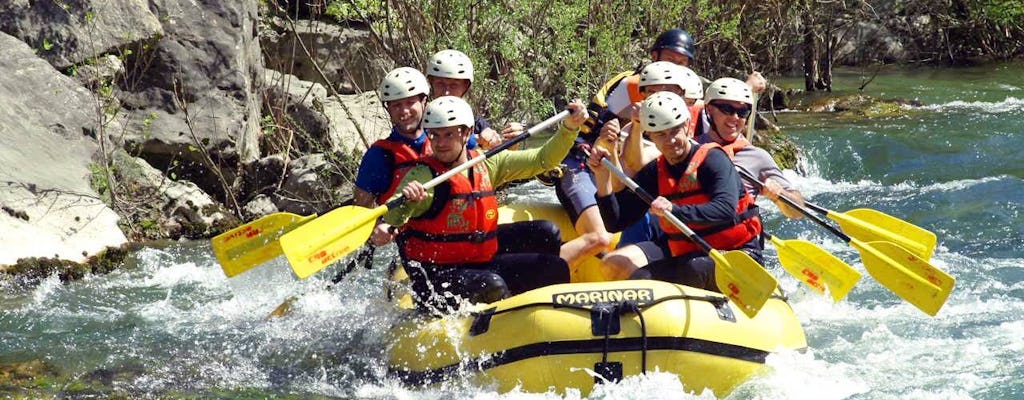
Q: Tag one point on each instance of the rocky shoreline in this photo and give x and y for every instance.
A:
(127, 121)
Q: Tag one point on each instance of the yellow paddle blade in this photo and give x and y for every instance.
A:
(904, 273)
(816, 268)
(740, 278)
(324, 240)
(242, 248)
(872, 225)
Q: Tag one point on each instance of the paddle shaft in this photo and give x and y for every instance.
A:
(814, 217)
(753, 116)
(815, 207)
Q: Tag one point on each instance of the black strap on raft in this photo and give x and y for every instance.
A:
(364, 257)
(604, 320)
(631, 306)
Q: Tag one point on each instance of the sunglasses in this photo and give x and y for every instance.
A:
(728, 109)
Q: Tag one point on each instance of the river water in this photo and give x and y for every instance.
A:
(170, 324)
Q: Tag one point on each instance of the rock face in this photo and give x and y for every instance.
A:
(67, 33)
(197, 87)
(318, 123)
(870, 42)
(47, 125)
(313, 51)
(157, 207)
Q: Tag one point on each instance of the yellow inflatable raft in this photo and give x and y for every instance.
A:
(573, 335)
(576, 334)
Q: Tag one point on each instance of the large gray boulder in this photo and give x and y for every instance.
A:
(195, 100)
(320, 52)
(869, 42)
(47, 126)
(353, 118)
(165, 208)
(69, 32)
(315, 122)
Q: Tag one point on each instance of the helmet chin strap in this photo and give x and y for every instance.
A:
(462, 152)
(457, 158)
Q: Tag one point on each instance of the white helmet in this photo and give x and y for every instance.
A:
(401, 83)
(450, 64)
(731, 89)
(694, 87)
(446, 111)
(663, 73)
(663, 110)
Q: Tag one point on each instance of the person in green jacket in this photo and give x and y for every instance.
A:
(449, 238)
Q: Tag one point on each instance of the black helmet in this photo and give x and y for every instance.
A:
(675, 39)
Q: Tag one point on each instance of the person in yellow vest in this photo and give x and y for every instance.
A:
(448, 237)
(622, 91)
(696, 183)
(450, 73)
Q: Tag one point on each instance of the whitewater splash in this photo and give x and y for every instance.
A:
(1010, 104)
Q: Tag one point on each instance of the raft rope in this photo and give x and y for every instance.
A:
(715, 300)
(630, 306)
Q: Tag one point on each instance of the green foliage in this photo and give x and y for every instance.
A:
(354, 10)
(1003, 12)
(528, 52)
(98, 181)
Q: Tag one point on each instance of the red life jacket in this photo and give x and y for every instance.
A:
(687, 191)
(458, 229)
(695, 111)
(401, 156)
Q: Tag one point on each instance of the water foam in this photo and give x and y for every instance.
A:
(1010, 104)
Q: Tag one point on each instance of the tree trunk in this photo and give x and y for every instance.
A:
(810, 52)
(825, 81)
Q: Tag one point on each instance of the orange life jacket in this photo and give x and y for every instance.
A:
(687, 191)
(458, 229)
(401, 156)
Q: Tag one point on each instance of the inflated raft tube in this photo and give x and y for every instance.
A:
(574, 335)
(590, 270)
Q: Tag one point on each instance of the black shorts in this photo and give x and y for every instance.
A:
(577, 192)
(654, 250)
